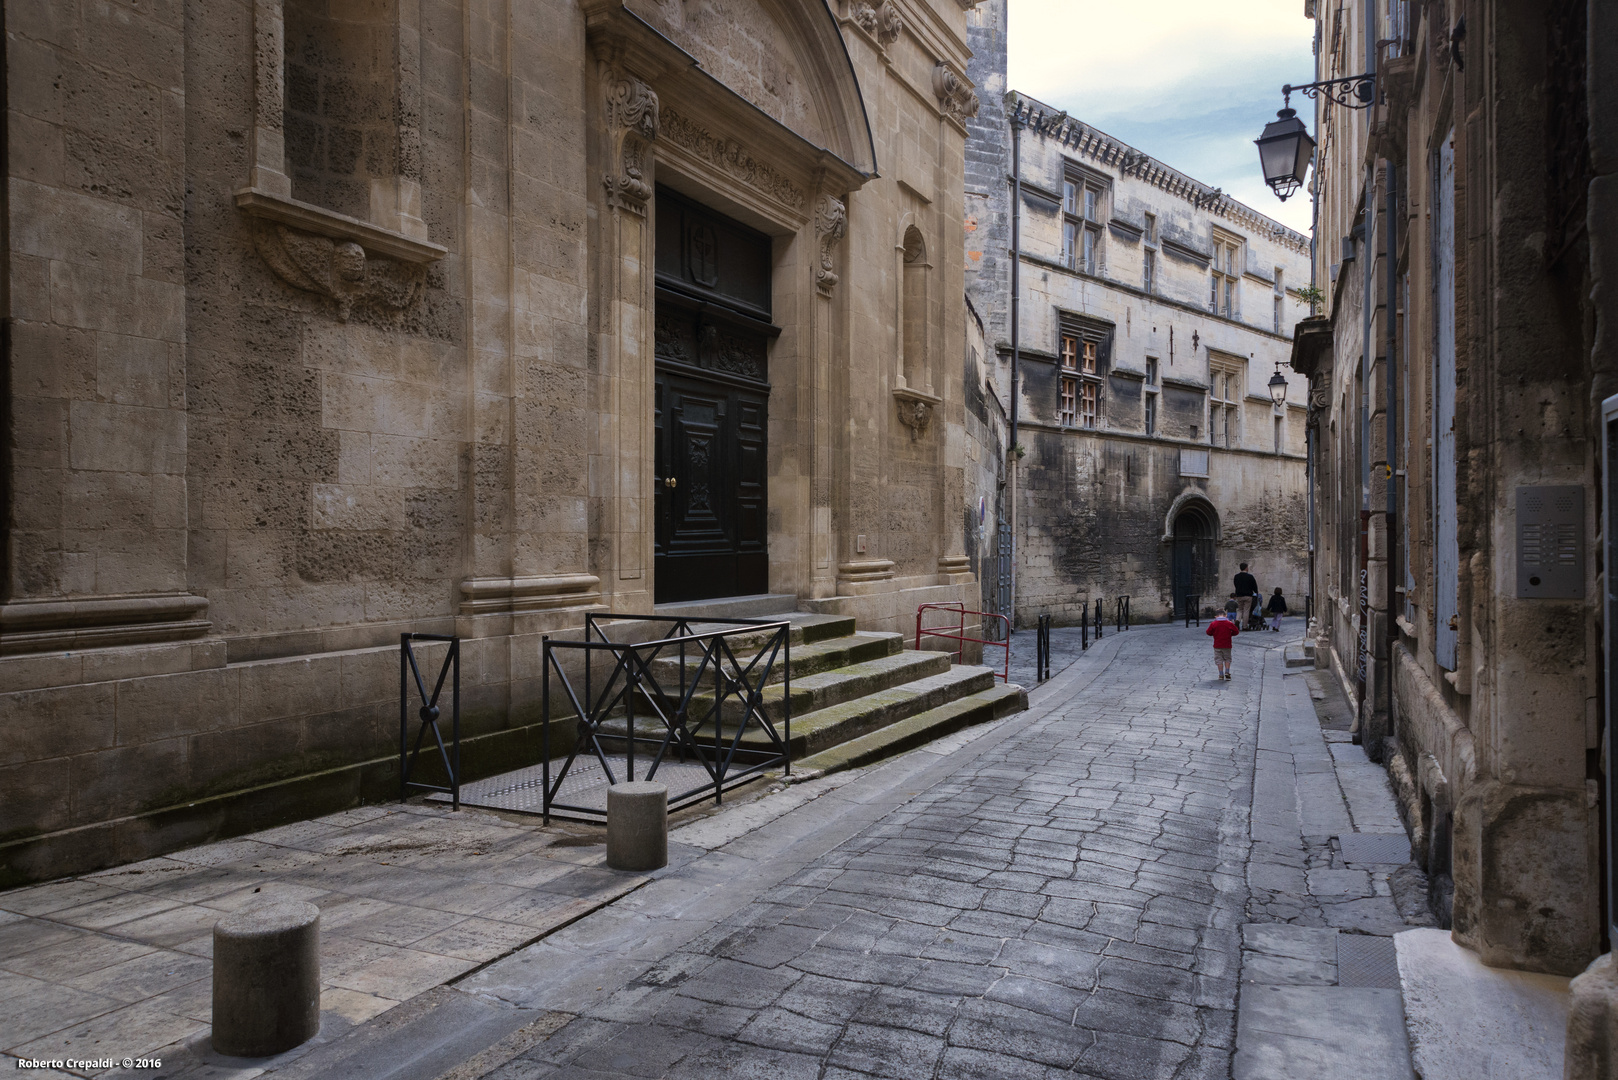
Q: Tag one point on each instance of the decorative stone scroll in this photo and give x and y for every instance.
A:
(831, 225)
(882, 21)
(339, 270)
(632, 126)
(731, 157)
(955, 97)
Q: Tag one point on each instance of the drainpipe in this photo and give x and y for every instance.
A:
(1016, 322)
(1390, 318)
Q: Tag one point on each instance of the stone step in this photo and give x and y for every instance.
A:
(1002, 700)
(821, 729)
(1296, 657)
(809, 658)
(811, 693)
(805, 628)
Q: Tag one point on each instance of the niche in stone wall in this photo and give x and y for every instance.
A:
(335, 182)
(341, 107)
(915, 367)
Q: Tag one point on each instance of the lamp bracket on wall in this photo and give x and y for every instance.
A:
(1352, 91)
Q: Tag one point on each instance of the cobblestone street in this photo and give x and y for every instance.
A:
(1070, 899)
(1103, 886)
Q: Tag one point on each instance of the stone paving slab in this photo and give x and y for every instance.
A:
(119, 962)
(1321, 1032)
(1469, 1021)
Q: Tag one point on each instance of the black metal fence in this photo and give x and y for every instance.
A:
(1121, 613)
(697, 694)
(1193, 609)
(428, 713)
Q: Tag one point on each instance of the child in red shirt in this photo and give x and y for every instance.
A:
(1222, 629)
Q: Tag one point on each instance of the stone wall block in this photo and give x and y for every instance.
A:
(53, 361)
(35, 69)
(129, 779)
(39, 430)
(39, 798)
(272, 689)
(121, 438)
(164, 706)
(1524, 877)
(55, 224)
(55, 723)
(125, 43)
(336, 507)
(369, 677)
(134, 370)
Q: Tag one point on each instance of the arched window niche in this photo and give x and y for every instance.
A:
(913, 383)
(915, 369)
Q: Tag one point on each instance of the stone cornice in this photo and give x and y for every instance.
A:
(1087, 142)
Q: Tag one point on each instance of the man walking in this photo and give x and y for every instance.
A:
(1246, 590)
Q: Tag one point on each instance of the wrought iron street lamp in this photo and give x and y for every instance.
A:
(1278, 386)
(1285, 149)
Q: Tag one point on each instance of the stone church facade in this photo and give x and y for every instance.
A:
(1154, 312)
(329, 320)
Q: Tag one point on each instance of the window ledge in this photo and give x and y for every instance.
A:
(255, 202)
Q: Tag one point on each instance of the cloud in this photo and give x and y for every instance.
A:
(1191, 83)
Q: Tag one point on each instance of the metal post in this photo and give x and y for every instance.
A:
(545, 718)
(404, 713)
(1016, 350)
(455, 726)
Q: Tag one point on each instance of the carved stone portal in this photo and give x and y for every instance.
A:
(831, 225)
(632, 125)
(339, 270)
(955, 97)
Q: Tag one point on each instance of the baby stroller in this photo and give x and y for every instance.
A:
(1255, 616)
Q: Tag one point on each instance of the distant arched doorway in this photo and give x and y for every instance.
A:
(1194, 563)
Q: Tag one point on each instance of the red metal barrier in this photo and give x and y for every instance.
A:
(957, 633)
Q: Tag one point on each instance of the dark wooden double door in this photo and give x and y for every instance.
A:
(713, 332)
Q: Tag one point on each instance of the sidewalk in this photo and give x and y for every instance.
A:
(1343, 974)
(117, 963)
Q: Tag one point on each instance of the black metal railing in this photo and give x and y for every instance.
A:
(1100, 616)
(693, 693)
(1121, 613)
(1084, 628)
(1042, 648)
(1193, 608)
(428, 713)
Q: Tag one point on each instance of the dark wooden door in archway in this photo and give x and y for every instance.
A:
(1193, 563)
(712, 405)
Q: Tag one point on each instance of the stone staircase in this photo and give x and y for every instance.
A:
(856, 696)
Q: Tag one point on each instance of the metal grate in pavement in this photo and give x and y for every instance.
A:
(1368, 962)
(1387, 848)
(585, 786)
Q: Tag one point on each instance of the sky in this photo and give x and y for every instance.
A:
(1189, 82)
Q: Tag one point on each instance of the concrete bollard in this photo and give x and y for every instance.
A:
(266, 978)
(637, 826)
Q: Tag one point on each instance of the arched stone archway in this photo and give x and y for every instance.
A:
(1192, 531)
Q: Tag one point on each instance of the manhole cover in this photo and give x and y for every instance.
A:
(1387, 848)
(1369, 962)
